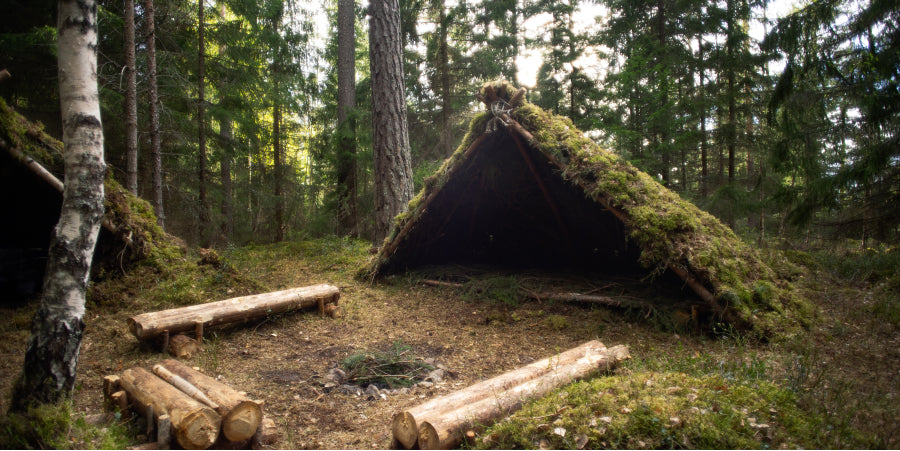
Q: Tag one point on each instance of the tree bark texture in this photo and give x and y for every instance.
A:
(131, 145)
(445, 429)
(196, 426)
(393, 170)
(51, 356)
(227, 132)
(279, 171)
(155, 147)
(346, 170)
(201, 125)
(406, 425)
(150, 325)
(241, 416)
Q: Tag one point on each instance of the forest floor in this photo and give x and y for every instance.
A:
(844, 373)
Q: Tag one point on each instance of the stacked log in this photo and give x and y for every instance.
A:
(241, 416)
(151, 325)
(442, 422)
(187, 404)
(196, 426)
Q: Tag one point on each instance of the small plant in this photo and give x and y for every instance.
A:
(557, 322)
(395, 367)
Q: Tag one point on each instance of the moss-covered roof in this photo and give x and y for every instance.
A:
(620, 214)
(130, 231)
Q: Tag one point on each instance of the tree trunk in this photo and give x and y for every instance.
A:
(196, 425)
(446, 101)
(446, 428)
(406, 425)
(278, 170)
(130, 113)
(240, 416)
(155, 151)
(704, 163)
(346, 166)
(393, 170)
(201, 126)
(150, 325)
(51, 357)
(226, 130)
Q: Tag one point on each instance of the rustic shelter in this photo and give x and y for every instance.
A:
(31, 169)
(526, 188)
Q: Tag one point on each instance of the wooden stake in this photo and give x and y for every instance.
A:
(164, 431)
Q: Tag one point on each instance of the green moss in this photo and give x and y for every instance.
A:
(29, 138)
(653, 410)
(58, 427)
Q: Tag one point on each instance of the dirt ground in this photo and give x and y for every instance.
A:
(284, 359)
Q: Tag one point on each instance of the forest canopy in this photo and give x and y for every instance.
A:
(781, 122)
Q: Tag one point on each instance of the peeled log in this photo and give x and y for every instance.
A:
(445, 429)
(196, 426)
(240, 415)
(405, 425)
(183, 319)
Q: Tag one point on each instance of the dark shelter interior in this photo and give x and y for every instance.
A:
(507, 205)
(31, 210)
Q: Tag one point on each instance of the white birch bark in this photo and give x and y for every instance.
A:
(52, 354)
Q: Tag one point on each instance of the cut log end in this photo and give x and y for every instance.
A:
(184, 347)
(201, 431)
(242, 421)
(404, 429)
(428, 437)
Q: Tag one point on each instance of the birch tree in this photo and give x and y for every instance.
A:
(51, 357)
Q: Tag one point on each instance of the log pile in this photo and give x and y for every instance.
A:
(183, 403)
(443, 422)
(194, 318)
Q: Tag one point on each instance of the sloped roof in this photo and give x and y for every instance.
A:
(526, 186)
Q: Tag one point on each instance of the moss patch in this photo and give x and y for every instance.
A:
(649, 410)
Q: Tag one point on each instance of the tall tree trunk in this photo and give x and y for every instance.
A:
(444, 67)
(155, 151)
(664, 87)
(201, 125)
(393, 170)
(731, 135)
(704, 150)
(346, 170)
(278, 169)
(51, 357)
(130, 113)
(226, 130)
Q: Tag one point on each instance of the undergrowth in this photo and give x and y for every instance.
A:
(57, 427)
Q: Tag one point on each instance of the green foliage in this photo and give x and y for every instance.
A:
(58, 427)
(391, 368)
